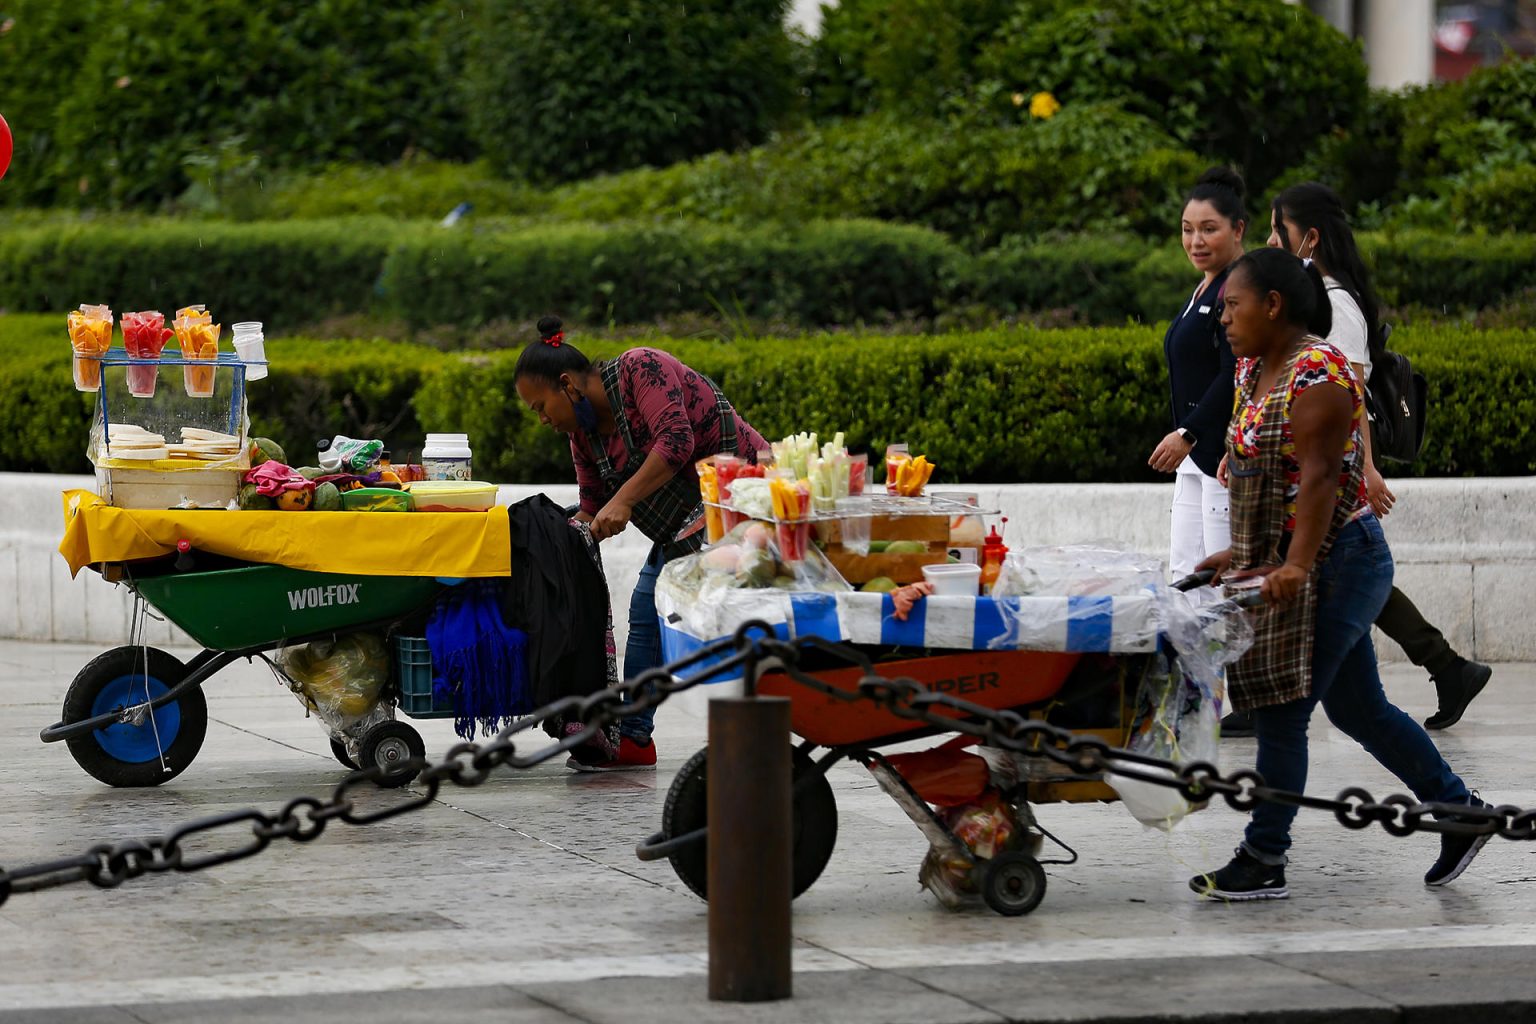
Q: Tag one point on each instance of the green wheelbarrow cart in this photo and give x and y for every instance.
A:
(137, 716)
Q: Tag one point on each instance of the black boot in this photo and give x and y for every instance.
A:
(1238, 725)
(1461, 681)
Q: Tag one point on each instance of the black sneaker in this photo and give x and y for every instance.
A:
(1456, 687)
(1456, 852)
(1238, 725)
(1245, 878)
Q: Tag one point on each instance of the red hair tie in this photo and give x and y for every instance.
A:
(554, 340)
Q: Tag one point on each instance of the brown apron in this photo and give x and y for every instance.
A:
(1278, 667)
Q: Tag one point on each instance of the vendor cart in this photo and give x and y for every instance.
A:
(243, 585)
(1076, 662)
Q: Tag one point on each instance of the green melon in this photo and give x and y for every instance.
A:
(264, 449)
(327, 498)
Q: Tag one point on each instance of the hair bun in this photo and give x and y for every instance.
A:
(549, 326)
(1225, 177)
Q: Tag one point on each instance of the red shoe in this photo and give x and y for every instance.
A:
(631, 757)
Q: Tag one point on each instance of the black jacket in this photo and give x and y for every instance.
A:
(556, 594)
(1200, 370)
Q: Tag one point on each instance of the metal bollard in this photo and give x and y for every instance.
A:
(750, 832)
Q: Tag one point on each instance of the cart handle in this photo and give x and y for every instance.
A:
(1195, 579)
(657, 845)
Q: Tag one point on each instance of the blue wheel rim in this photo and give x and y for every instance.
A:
(135, 744)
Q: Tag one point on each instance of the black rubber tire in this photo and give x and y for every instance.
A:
(109, 668)
(814, 817)
(339, 752)
(1013, 883)
(388, 744)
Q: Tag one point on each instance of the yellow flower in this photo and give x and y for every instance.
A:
(1043, 105)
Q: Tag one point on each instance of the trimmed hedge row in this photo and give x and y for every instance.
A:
(821, 273)
(1002, 405)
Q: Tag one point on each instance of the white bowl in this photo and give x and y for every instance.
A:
(951, 580)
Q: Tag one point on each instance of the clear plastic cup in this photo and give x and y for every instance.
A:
(858, 474)
(87, 373)
(895, 455)
(854, 520)
(251, 347)
(142, 378)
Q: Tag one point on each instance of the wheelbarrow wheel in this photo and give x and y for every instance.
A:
(339, 752)
(814, 818)
(152, 750)
(1013, 883)
(388, 745)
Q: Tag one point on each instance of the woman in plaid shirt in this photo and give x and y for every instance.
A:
(1301, 523)
(637, 425)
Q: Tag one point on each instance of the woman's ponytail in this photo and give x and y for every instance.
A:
(1320, 319)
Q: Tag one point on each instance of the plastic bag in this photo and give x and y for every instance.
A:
(742, 577)
(341, 679)
(987, 827)
(1077, 570)
(1179, 704)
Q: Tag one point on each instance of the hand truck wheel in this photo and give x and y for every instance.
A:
(339, 752)
(1012, 883)
(388, 745)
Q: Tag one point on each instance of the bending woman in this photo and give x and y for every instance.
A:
(1200, 373)
(1300, 519)
(637, 424)
(1309, 220)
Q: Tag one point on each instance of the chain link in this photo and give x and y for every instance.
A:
(753, 649)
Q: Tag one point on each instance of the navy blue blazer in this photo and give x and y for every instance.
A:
(1200, 370)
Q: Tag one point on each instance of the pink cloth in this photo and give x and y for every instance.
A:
(273, 478)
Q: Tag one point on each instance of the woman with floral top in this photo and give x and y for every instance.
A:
(637, 424)
(1302, 523)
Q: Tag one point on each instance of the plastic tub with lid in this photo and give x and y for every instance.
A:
(453, 495)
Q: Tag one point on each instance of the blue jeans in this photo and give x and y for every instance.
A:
(1352, 588)
(642, 651)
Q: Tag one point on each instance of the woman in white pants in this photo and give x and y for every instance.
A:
(1200, 374)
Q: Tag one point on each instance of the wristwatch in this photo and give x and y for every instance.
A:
(1188, 435)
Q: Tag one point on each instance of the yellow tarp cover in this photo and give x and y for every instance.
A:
(458, 544)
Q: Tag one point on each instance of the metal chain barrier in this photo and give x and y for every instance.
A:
(753, 650)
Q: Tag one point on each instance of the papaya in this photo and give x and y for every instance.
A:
(310, 472)
(296, 500)
(877, 547)
(251, 501)
(879, 585)
(264, 449)
(327, 498)
(906, 547)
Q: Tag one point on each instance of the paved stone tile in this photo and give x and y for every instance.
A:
(529, 882)
(1489, 984)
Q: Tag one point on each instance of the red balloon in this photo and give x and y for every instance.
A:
(5, 146)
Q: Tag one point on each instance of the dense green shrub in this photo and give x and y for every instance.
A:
(408, 190)
(561, 89)
(915, 56)
(281, 274)
(129, 103)
(1090, 167)
(1252, 83)
(1505, 200)
(1000, 405)
(1450, 272)
(823, 273)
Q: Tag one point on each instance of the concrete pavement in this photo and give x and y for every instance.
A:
(522, 899)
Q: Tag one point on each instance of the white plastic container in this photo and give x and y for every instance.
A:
(452, 495)
(251, 347)
(951, 580)
(447, 457)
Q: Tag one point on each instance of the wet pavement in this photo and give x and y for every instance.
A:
(523, 898)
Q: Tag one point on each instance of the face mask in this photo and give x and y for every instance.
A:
(1308, 254)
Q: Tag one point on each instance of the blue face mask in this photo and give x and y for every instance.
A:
(586, 413)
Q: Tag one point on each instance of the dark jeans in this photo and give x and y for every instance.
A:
(642, 651)
(1352, 588)
(1423, 643)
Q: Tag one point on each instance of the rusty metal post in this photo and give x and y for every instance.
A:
(750, 831)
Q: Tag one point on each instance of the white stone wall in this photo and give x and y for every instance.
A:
(1465, 549)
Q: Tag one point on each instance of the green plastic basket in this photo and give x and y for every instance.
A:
(413, 680)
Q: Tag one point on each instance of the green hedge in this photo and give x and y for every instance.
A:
(280, 274)
(820, 273)
(1014, 405)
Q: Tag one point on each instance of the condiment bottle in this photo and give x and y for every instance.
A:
(993, 551)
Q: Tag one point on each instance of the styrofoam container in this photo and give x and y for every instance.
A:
(951, 580)
(453, 495)
(157, 489)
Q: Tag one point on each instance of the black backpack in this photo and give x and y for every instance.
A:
(1397, 400)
